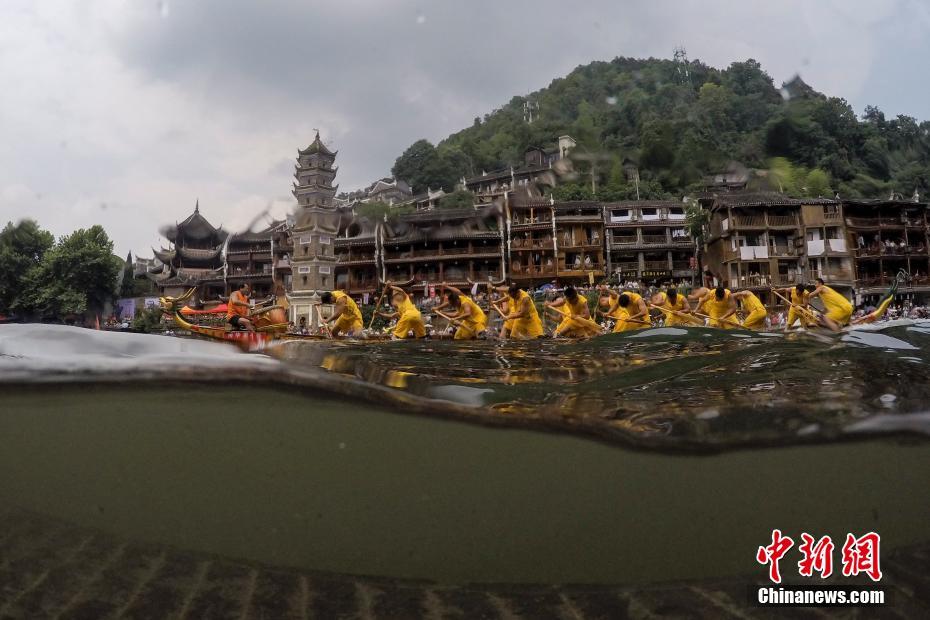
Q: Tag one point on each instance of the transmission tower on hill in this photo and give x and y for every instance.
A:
(530, 111)
(681, 59)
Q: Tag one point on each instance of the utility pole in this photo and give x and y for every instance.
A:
(681, 59)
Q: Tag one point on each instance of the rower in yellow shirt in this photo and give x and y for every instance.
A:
(838, 308)
(631, 311)
(468, 317)
(576, 321)
(753, 310)
(346, 318)
(675, 307)
(408, 317)
(720, 306)
(797, 311)
(526, 323)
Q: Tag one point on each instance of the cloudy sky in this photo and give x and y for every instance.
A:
(124, 112)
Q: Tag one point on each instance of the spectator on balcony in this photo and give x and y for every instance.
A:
(577, 263)
(587, 262)
(860, 241)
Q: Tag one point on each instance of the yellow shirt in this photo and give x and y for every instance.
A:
(716, 308)
(528, 326)
(351, 308)
(751, 304)
(622, 314)
(834, 301)
(477, 320)
(410, 319)
(579, 307)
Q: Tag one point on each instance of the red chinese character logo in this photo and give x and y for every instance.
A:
(773, 553)
(817, 557)
(860, 555)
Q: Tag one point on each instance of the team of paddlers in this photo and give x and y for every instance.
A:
(621, 311)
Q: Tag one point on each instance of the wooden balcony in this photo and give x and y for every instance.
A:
(531, 244)
(781, 221)
(625, 240)
(833, 276)
(747, 221)
(532, 271)
(656, 240)
(657, 265)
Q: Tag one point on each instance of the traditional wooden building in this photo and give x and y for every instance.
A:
(459, 246)
(316, 224)
(579, 241)
(647, 240)
(763, 240)
(214, 261)
(357, 247)
(530, 243)
(886, 236)
(538, 170)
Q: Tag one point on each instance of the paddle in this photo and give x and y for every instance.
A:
(452, 321)
(319, 315)
(804, 311)
(377, 305)
(689, 317)
(710, 318)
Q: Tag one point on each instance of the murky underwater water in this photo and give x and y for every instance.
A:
(305, 462)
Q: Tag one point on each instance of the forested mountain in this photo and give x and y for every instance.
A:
(677, 126)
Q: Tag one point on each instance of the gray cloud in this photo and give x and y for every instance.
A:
(147, 106)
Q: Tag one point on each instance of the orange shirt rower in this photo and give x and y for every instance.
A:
(238, 309)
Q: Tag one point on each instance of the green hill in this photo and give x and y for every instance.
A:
(677, 128)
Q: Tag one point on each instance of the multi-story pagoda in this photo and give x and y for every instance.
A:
(316, 223)
(214, 261)
(194, 254)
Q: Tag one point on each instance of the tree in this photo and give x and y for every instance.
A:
(79, 274)
(818, 184)
(424, 166)
(681, 133)
(377, 211)
(22, 248)
(459, 199)
(148, 320)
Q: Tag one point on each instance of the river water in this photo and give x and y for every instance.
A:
(660, 455)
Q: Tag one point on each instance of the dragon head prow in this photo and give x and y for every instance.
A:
(169, 304)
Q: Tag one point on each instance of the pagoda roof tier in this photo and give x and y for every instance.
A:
(315, 187)
(299, 168)
(165, 256)
(200, 255)
(158, 277)
(259, 236)
(195, 226)
(317, 147)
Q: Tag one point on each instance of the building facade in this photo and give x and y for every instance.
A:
(765, 240)
(648, 240)
(214, 262)
(885, 237)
